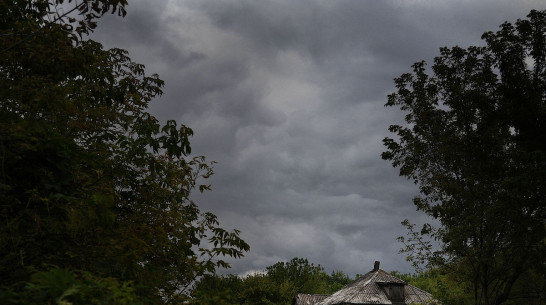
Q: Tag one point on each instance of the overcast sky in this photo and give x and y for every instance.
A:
(288, 97)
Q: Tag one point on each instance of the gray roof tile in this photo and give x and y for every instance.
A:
(308, 299)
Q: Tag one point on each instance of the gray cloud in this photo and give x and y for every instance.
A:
(287, 97)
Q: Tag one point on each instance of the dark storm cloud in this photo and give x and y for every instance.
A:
(287, 97)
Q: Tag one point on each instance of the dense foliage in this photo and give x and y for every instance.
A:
(94, 191)
(278, 285)
(475, 143)
(445, 287)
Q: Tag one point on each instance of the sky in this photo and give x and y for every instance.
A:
(287, 96)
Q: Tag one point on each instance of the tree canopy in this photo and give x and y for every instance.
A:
(475, 143)
(277, 285)
(94, 191)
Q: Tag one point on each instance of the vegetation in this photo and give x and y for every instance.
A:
(443, 286)
(282, 281)
(474, 143)
(94, 192)
(278, 285)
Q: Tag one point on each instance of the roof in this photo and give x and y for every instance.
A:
(308, 299)
(372, 288)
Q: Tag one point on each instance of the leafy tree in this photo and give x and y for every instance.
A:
(92, 186)
(278, 285)
(337, 280)
(440, 284)
(261, 289)
(305, 277)
(66, 287)
(475, 144)
(218, 289)
(232, 289)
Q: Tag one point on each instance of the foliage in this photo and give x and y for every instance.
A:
(63, 287)
(474, 143)
(303, 275)
(261, 289)
(278, 285)
(89, 181)
(217, 289)
(337, 280)
(440, 284)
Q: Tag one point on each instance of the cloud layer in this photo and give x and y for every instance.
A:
(287, 97)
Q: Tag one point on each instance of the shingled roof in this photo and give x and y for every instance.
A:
(308, 299)
(376, 287)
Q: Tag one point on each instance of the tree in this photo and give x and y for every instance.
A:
(305, 276)
(278, 285)
(232, 289)
(218, 289)
(475, 144)
(441, 285)
(337, 280)
(93, 189)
